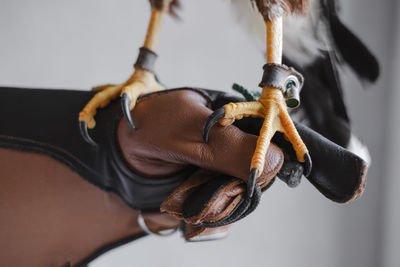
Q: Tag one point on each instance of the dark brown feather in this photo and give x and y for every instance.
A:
(170, 5)
(275, 8)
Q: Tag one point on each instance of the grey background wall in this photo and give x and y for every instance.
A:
(77, 44)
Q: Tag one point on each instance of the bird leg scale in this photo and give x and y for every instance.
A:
(274, 102)
(268, 129)
(236, 111)
(292, 135)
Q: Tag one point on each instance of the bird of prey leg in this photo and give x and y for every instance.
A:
(280, 89)
(141, 82)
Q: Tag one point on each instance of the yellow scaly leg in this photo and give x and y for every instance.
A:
(141, 82)
(271, 106)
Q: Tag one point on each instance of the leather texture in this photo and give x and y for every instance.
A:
(337, 173)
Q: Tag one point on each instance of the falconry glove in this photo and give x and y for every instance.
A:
(203, 185)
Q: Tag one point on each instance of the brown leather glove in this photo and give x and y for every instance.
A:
(168, 139)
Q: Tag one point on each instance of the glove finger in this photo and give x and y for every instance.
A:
(205, 197)
(214, 200)
(211, 200)
(246, 206)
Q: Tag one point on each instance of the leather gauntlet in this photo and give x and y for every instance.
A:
(167, 155)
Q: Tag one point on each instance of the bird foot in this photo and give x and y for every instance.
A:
(273, 109)
(140, 83)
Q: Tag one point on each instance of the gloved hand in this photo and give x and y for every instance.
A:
(169, 137)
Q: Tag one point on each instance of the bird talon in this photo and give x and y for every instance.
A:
(126, 103)
(211, 120)
(307, 164)
(85, 133)
(251, 183)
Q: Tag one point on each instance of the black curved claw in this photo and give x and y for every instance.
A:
(307, 164)
(125, 103)
(85, 133)
(251, 183)
(216, 116)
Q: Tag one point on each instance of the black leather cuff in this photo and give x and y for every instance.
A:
(146, 59)
(277, 75)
